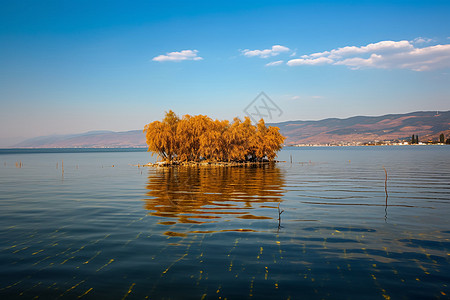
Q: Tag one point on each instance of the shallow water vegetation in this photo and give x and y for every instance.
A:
(200, 138)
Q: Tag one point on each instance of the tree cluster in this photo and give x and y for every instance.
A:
(414, 139)
(196, 138)
(442, 139)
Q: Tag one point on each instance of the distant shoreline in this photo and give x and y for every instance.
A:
(365, 145)
(140, 149)
(67, 150)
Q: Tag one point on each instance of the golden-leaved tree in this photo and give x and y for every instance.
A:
(196, 138)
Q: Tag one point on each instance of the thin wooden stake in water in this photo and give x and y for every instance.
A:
(279, 216)
(385, 183)
(62, 167)
(385, 190)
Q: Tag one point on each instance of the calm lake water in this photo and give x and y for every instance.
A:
(105, 228)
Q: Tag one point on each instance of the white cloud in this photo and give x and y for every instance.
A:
(378, 48)
(383, 55)
(274, 51)
(274, 63)
(422, 40)
(178, 56)
(309, 61)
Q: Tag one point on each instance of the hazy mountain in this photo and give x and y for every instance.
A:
(427, 125)
(92, 139)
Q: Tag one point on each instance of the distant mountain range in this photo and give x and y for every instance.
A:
(427, 125)
(92, 139)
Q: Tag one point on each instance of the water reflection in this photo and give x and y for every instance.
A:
(206, 194)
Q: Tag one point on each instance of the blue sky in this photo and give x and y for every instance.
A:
(76, 66)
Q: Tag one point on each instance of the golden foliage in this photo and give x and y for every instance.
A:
(196, 138)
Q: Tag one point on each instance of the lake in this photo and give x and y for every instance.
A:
(91, 224)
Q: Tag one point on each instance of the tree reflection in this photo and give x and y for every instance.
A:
(206, 194)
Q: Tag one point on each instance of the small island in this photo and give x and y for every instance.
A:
(198, 140)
